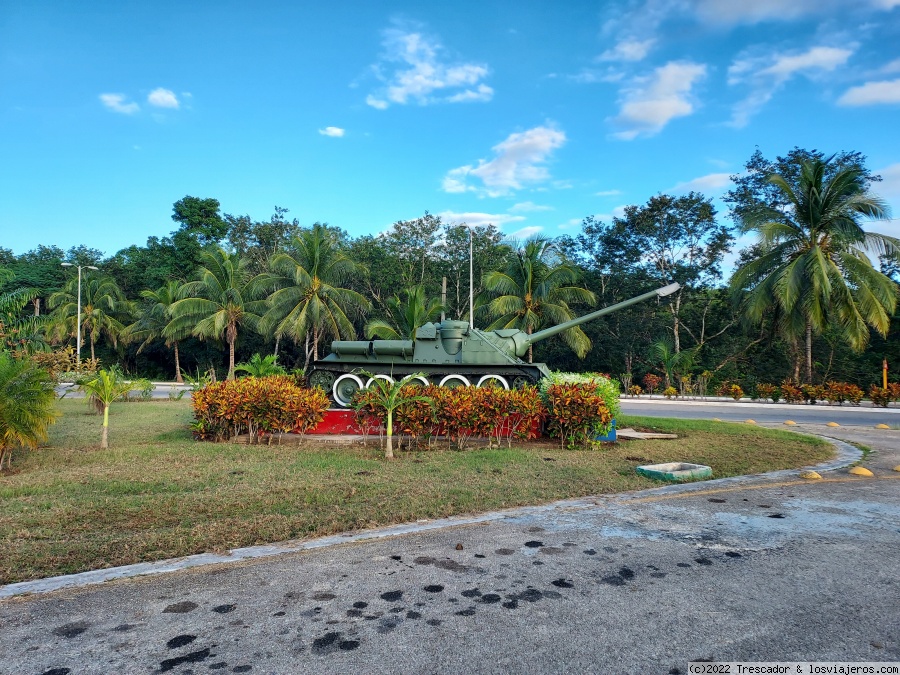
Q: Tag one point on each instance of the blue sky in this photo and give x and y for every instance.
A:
(530, 115)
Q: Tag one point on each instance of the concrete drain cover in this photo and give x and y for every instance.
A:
(675, 471)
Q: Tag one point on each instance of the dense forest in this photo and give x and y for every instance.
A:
(812, 300)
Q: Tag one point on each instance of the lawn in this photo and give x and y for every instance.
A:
(157, 493)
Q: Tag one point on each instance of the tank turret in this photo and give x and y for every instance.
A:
(449, 353)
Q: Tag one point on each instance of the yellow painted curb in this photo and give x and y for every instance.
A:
(832, 424)
(810, 475)
(749, 421)
(882, 426)
(897, 468)
(716, 419)
(861, 471)
(790, 423)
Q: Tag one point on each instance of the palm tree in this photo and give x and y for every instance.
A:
(534, 291)
(220, 301)
(26, 405)
(388, 395)
(102, 306)
(106, 387)
(405, 316)
(308, 295)
(814, 268)
(154, 315)
(261, 366)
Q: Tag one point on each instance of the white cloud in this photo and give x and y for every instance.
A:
(767, 74)
(872, 93)
(475, 219)
(710, 183)
(891, 67)
(116, 103)
(527, 207)
(650, 103)
(163, 98)
(519, 161)
(607, 193)
(628, 50)
(526, 232)
(334, 132)
(418, 74)
(889, 187)
(731, 12)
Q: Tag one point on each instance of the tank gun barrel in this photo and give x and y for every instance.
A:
(522, 345)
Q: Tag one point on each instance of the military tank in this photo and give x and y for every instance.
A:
(448, 354)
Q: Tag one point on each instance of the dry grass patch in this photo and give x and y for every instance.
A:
(156, 493)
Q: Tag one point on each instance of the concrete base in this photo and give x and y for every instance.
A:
(675, 471)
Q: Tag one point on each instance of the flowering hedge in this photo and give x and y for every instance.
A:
(256, 404)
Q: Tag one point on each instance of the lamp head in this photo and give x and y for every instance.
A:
(91, 267)
(66, 264)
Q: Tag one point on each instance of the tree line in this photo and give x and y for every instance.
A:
(813, 298)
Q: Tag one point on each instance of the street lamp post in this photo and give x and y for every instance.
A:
(78, 325)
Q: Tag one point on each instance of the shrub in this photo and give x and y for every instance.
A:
(62, 365)
(767, 391)
(879, 396)
(27, 403)
(735, 392)
(791, 393)
(223, 410)
(459, 413)
(670, 392)
(839, 392)
(576, 413)
(813, 393)
(608, 389)
(894, 390)
(651, 382)
(635, 390)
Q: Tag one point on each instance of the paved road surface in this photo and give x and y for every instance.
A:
(763, 413)
(764, 569)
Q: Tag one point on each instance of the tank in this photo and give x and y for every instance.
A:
(448, 354)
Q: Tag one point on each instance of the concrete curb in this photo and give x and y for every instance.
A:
(846, 455)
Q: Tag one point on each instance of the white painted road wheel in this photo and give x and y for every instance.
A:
(454, 380)
(493, 380)
(344, 388)
(386, 378)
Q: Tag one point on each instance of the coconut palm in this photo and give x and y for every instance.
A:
(534, 291)
(260, 366)
(405, 316)
(308, 295)
(814, 268)
(153, 317)
(106, 387)
(103, 306)
(388, 395)
(218, 303)
(26, 405)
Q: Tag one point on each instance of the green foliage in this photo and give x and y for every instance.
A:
(309, 293)
(387, 395)
(261, 366)
(576, 414)
(274, 404)
(670, 392)
(535, 290)
(218, 303)
(103, 389)
(880, 396)
(813, 270)
(26, 405)
(405, 317)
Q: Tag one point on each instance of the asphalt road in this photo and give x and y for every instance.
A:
(763, 413)
(765, 568)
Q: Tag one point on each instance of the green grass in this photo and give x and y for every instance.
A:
(156, 493)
